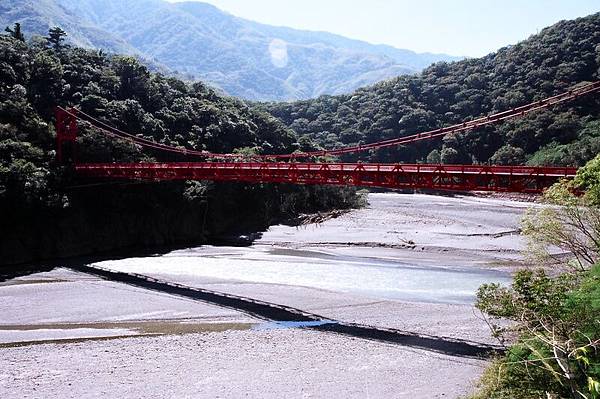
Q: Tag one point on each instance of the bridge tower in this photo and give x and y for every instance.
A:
(66, 134)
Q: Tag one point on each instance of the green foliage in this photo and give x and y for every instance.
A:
(588, 179)
(134, 78)
(434, 157)
(45, 81)
(552, 321)
(56, 37)
(449, 93)
(16, 32)
(577, 152)
(449, 155)
(508, 155)
(571, 224)
(557, 352)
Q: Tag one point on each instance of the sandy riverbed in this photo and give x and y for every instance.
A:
(408, 262)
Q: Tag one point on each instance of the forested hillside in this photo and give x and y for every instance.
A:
(447, 93)
(199, 41)
(46, 213)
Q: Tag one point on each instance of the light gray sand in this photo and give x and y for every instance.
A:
(274, 363)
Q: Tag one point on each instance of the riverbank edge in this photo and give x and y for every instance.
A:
(243, 236)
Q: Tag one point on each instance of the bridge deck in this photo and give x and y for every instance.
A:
(412, 176)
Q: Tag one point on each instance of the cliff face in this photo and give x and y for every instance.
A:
(106, 219)
(148, 215)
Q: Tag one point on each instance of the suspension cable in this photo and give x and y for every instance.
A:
(499, 117)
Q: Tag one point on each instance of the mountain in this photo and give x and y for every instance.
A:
(548, 63)
(243, 58)
(38, 16)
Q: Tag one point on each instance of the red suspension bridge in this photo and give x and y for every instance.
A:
(285, 168)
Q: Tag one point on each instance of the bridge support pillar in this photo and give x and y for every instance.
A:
(66, 134)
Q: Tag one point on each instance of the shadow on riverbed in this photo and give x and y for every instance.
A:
(280, 313)
(8, 272)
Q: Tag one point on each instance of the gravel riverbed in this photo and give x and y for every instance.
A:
(410, 263)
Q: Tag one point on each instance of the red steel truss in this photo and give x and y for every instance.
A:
(397, 176)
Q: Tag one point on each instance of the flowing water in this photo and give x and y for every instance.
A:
(364, 276)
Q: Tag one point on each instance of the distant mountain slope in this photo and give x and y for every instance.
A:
(38, 15)
(244, 58)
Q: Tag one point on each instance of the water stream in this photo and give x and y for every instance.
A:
(364, 276)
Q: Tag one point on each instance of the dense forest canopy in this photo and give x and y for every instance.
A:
(120, 91)
(44, 216)
(447, 93)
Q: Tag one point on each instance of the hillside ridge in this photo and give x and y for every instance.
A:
(560, 56)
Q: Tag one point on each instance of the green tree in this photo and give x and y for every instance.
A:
(553, 317)
(134, 78)
(557, 352)
(588, 179)
(449, 155)
(16, 32)
(45, 83)
(571, 223)
(434, 156)
(508, 155)
(56, 37)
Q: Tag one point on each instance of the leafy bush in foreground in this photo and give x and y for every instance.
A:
(554, 319)
(557, 352)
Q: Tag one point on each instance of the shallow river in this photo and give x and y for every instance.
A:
(365, 276)
(455, 241)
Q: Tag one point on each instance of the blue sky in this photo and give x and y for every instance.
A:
(458, 27)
